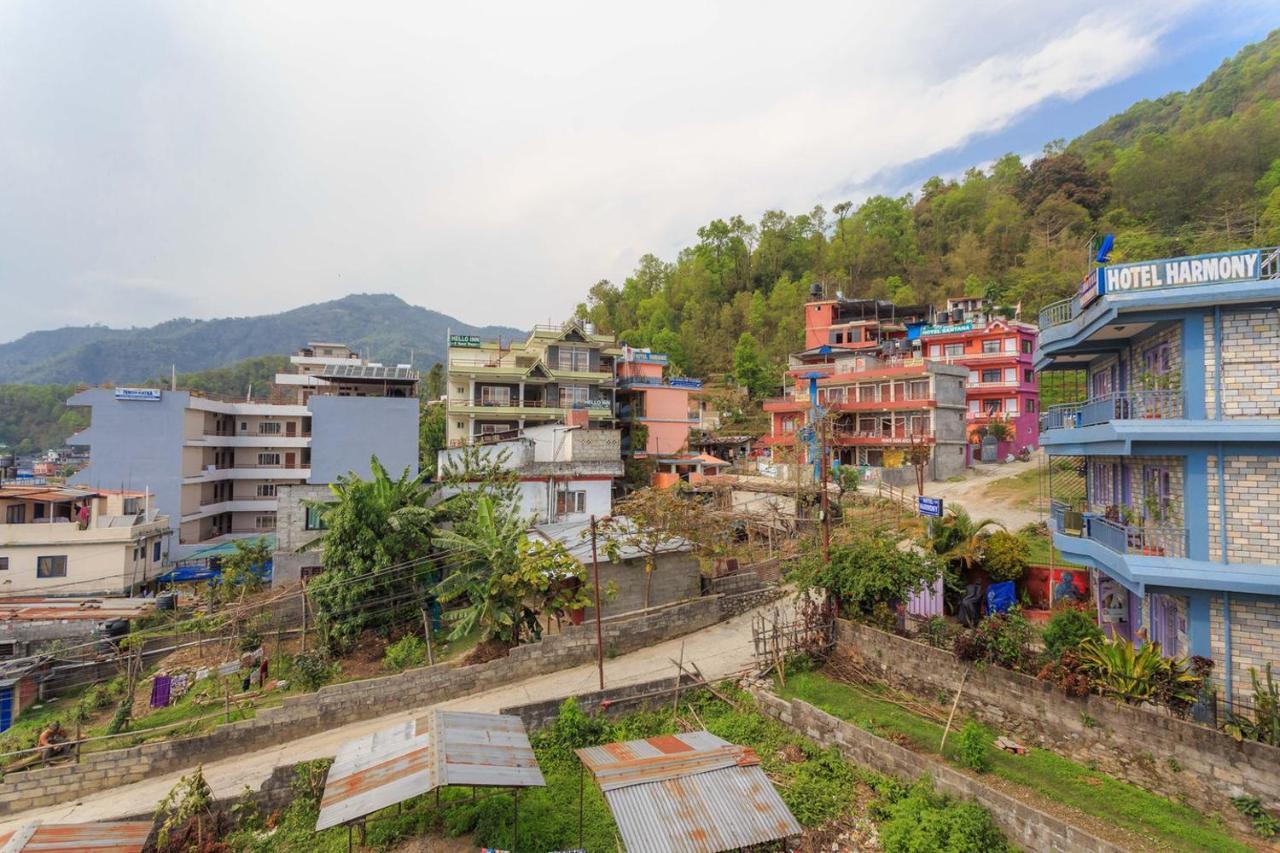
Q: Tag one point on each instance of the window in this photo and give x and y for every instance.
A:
(266, 490)
(570, 501)
(1031, 404)
(918, 389)
(1011, 407)
(264, 522)
(1157, 359)
(1026, 347)
(788, 425)
(839, 338)
(991, 407)
(493, 429)
(155, 551)
(269, 428)
(953, 349)
(315, 519)
(51, 567)
(268, 458)
(1010, 375)
(309, 572)
(16, 514)
(573, 358)
(1010, 344)
(973, 406)
(572, 396)
(992, 375)
(935, 351)
(491, 395)
(4, 564)
(991, 346)
(244, 426)
(6, 650)
(1028, 376)
(919, 424)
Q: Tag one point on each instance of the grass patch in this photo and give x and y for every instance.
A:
(1171, 825)
(1040, 550)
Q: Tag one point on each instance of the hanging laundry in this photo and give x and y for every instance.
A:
(160, 691)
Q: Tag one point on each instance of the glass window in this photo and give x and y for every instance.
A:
(1011, 409)
(572, 396)
(1010, 374)
(16, 514)
(268, 458)
(991, 346)
(1031, 404)
(573, 358)
(495, 395)
(570, 501)
(1028, 376)
(265, 522)
(266, 490)
(4, 564)
(991, 407)
(953, 349)
(935, 350)
(309, 572)
(1010, 344)
(992, 375)
(155, 551)
(1026, 346)
(51, 567)
(315, 519)
(269, 428)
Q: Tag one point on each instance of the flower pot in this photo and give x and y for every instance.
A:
(1152, 551)
(577, 615)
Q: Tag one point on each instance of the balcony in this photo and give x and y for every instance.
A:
(1117, 536)
(526, 408)
(1119, 406)
(875, 438)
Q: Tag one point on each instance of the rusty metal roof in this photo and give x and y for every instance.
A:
(688, 793)
(440, 749)
(118, 837)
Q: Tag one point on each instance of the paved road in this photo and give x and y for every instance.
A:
(720, 650)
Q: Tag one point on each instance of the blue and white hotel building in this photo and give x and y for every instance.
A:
(1178, 448)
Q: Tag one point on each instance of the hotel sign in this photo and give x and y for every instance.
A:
(1223, 268)
(464, 341)
(151, 395)
(947, 330)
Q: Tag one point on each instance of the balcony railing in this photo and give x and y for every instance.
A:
(1057, 313)
(1144, 540)
(1119, 406)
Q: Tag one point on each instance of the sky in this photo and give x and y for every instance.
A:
(492, 161)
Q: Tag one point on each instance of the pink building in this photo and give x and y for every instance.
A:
(658, 403)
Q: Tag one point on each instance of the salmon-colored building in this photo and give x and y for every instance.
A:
(659, 403)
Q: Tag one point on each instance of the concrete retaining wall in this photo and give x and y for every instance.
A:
(1176, 758)
(1027, 827)
(339, 704)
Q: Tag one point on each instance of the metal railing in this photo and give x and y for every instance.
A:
(1057, 513)
(1145, 540)
(1057, 313)
(1119, 406)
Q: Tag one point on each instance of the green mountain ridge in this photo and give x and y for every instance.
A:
(385, 326)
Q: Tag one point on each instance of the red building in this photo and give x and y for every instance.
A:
(999, 356)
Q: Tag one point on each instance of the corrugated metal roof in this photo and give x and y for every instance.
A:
(118, 837)
(440, 749)
(688, 793)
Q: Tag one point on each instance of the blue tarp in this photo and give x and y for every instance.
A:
(191, 572)
(1000, 597)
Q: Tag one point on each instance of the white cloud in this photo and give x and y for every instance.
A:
(490, 161)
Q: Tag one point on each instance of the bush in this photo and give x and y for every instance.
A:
(1066, 674)
(972, 747)
(937, 632)
(1006, 556)
(870, 570)
(408, 652)
(1067, 629)
(923, 822)
(1136, 675)
(312, 670)
(1003, 639)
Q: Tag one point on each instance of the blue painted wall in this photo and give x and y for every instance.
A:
(347, 431)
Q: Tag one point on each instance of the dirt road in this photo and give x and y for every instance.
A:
(718, 651)
(983, 494)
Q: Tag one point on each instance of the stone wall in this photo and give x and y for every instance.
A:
(1253, 505)
(1027, 827)
(740, 581)
(614, 702)
(339, 704)
(1176, 758)
(678, 577)
(1250, 364)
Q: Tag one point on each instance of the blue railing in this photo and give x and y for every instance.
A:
(1120, 406)
(1129, 539)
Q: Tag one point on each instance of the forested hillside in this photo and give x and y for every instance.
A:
(1182, 174)
(384, 326)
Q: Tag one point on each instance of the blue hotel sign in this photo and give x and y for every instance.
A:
(150, 395)
(929, 507)
(1222, 268)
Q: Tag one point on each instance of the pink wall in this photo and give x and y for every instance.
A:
(639, 370)
(661, 406)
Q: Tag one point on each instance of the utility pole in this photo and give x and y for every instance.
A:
(826, 513)
(595, 576)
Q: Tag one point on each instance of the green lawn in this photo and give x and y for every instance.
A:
(1040, 548)
(1170, 825)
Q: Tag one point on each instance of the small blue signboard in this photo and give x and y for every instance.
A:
(929, 507)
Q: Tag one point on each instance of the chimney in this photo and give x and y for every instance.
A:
(576, 418)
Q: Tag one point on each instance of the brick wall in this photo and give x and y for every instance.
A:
(339, 704)
(1255, 641)
(1027, 827)
(291, 532)
(1135, 356)
(1250, 364)
(1253, 505)
(1123, 741)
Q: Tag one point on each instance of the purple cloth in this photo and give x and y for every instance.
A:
(160, 691)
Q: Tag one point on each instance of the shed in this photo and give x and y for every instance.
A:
(108, 837)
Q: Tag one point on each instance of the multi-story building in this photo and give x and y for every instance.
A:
(857, 324)
(881, 408)
(1166, 480)
(650, 399)
(498, 388)
(63, 540)
(999, 354)
(214, 465)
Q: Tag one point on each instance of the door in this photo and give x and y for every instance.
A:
(291, 429)
(6, 707)
(290, 460)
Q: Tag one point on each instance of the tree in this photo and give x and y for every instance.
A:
(661, 521)
(238, 575)
(378, 534)
(435, 382)
(1005, 555)
(958, 539)
(748, 369)
(431, 437)
(871, 569)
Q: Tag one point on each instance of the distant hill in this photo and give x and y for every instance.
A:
(384, 326)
